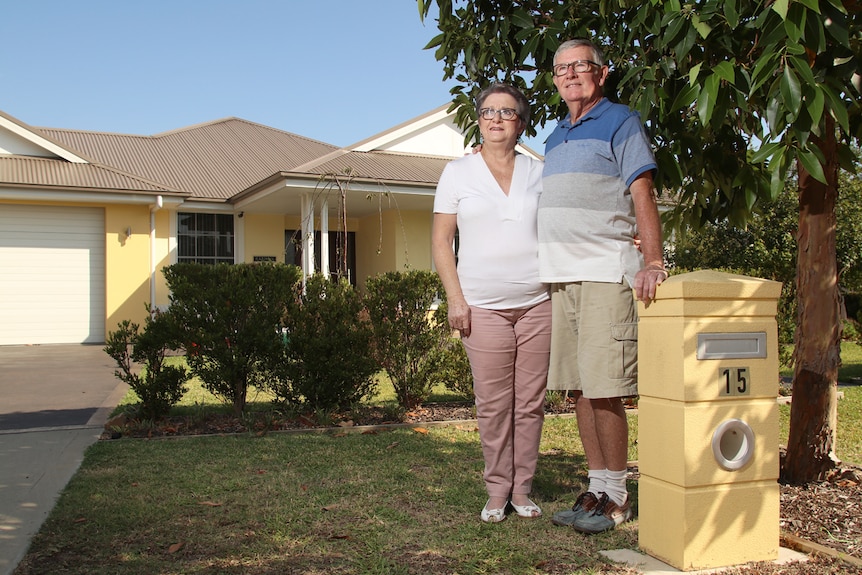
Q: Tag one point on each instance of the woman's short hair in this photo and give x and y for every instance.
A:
(522, 105)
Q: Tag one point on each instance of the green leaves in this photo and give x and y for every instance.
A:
(795, 24)
(791, 93)
(706, 99)
(812, 161)
(328, 361)
(522, 18)
(702, 27)
(708, 78)
(724, 70)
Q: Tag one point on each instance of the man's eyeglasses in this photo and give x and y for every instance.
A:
(578, 66)
(505, 113)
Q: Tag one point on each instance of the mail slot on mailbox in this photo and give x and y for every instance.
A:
(708, 494)
(731, 345)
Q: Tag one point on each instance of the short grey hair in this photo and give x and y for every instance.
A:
(522, 105)
(598, 57)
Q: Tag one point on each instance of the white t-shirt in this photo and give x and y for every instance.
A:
(498, 247)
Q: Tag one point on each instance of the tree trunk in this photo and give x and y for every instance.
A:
(813, 411)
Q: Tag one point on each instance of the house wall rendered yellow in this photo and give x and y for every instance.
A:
(374, 251)
(264, 236)
(162, 254)
(393, 241)
(127, 264)
(414, 241)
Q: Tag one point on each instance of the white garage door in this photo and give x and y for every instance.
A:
(52, 275)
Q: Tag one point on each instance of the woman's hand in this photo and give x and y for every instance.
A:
(459, 317)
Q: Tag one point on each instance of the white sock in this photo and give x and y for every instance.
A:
(615, 486)
(598, 481)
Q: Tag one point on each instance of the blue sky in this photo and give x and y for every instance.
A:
(338, 71)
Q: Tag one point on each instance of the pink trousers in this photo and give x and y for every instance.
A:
(509, 352)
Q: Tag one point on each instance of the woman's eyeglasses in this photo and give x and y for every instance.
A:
(491, 113)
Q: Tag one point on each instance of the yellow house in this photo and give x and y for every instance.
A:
(89, 219)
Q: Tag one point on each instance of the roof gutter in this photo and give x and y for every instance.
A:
(30, 194)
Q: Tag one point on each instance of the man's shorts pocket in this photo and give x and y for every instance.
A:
(623, 358)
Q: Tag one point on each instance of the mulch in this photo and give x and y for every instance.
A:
(822, 519)
(827, 512)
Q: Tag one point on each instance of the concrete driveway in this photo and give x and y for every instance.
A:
(54, 401)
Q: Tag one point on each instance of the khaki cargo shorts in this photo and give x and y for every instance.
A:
(594, 339)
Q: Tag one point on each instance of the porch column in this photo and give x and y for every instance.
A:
(307, 207)
(324, 238)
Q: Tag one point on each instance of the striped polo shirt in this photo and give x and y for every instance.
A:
(586, 216)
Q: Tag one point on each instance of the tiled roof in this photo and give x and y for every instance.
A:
(215, 160)
(47, 172)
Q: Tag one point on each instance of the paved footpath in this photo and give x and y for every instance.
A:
(54, 401)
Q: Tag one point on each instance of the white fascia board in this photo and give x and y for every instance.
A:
(357, 186)
(38, 140)
(311, 184)
(259, 195)
(377, 142)
(211, 207)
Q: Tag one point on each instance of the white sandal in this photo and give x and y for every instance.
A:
(493, 515)
(530, 510)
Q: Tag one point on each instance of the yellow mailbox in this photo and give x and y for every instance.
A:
(708, 492)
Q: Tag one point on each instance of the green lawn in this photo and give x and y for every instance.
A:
(851, 359)
(395, 502)
(849, 447)
(404, 501)
(851, 363)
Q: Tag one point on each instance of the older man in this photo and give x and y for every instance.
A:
(597, 205)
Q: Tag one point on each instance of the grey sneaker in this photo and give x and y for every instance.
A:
(606, 516)
(584, 505)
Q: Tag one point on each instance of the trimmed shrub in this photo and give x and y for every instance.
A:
(412, 338)
(159, 386)
(328, 362)
(232, 318)
(456, 373)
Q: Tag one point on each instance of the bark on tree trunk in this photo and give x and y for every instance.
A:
(813, 411)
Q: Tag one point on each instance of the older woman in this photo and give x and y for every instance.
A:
(495, 298)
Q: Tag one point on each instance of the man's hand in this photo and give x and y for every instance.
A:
(646, 281)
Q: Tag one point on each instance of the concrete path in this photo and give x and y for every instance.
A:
(54, 401)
